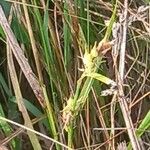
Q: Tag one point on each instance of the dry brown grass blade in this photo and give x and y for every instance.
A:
(127, 117)
(13, 75)
(120, 78)
(101, 118)
(33, 43)
(21, 59)
(36, 132)
(10, 137)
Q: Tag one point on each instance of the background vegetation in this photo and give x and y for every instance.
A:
(58, 90)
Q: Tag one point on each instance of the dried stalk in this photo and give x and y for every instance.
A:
(21, 59)
(33, 138)
(33, 44)
(122, 100)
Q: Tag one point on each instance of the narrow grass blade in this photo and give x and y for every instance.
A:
(6, 128)
(101, 78)
(143, 127)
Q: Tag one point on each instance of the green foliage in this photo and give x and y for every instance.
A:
(69, 37)
(19, 31)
